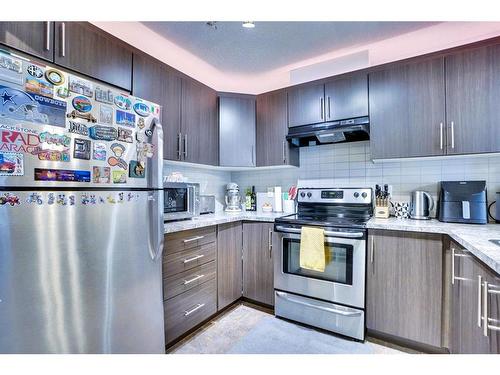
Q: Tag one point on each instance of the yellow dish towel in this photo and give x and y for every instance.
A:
(312, 249)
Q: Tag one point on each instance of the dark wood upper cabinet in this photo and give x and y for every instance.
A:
(157, 82)
(346, 97)
(34, 38)
(472, 100)
(236, 130)
(404, 285)
(271, 145)
(258, 273)
(86, 49)
(199, 123)
(407, 110)
(306, 104)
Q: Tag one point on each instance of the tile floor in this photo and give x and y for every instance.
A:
(244, 329)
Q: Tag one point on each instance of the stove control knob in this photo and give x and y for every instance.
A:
(309, 195)
(356, 195)
(302, 194)
(364, 195)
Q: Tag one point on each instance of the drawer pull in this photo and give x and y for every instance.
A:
(197, 307)
(193, 239)
(197, 277)
(189, 260)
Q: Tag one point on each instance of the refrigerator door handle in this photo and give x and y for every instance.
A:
(155, 199)
(155, 164)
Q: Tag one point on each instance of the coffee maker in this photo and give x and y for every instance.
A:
(233, 198)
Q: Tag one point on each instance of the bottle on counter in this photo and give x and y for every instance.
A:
(253, 200)
(248, 200)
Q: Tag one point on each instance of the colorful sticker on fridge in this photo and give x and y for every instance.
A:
(61, 175)
(54, 139)
(119, 177)
(35, 81)
(81, 149)
(80, 86)
(77, 128)
(123, 102)
(101, 175)
(105, 114)
(9, 199)
(104, 95)
(61, 199)
(11, 69)
(35, 198)
(51, 155)
(63, 92)
(125, 118)
(103, 133)
(17, 141)
(99, 151)
(137, 169)
(51, 198)
(141, 109)
(116, 160)
(144, 150)
(11, 164)
(125, 135)
(54, 76)
(74, 114)
(141, 123)
(82, 104)
(19, 105)
(34, 71)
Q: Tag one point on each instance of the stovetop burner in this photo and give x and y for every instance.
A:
(324, 221)
(332, 207)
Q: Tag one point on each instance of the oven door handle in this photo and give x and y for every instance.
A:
(327, 309)
(327, 232)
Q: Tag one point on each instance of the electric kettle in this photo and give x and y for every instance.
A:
(421, 205)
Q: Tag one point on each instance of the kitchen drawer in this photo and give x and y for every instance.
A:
(184, 281)
(189, 309)
(179, 241)
(188, 259)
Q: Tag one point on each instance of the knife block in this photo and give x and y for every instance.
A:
(382, 212)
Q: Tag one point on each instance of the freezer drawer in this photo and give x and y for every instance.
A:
(329, 316)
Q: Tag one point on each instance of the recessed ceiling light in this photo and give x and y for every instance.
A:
(248, 24)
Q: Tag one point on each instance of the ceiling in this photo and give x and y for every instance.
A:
(270, 45)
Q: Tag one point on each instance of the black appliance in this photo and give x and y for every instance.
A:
(497, 208)
(350, 130)
(463, 202)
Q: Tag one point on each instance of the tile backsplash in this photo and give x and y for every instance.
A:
(349, 164)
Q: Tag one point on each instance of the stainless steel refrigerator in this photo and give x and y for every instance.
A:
(81, 214)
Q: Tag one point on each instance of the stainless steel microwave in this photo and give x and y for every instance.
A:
(181, 200)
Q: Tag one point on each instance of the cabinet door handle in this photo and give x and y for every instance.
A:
(197, 307)
(284, 152)
(270, 243)
(193, 239)
(452, 134)
(47, 35)
(321, 108)
(189, 260)
(63, 39)
(479, 294)
(329, 115)
(453, 256)
(441, 136)
(253, 164)
(486, 319)
(185, 146)
(197, 277)
(179, 146)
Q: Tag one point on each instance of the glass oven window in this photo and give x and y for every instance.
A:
(338, 258)
(175, 200)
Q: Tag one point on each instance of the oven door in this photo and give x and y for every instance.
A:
(343, 280)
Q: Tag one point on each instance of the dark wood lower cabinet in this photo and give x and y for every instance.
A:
(258, 274)
(474, 304)
(229, 263)
(405, 286)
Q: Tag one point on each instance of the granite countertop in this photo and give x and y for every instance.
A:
(219, 218)
(474, 238)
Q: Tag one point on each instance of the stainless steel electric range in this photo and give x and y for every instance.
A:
(333, 300)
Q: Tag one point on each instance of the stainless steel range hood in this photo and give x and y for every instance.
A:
(352, 130)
